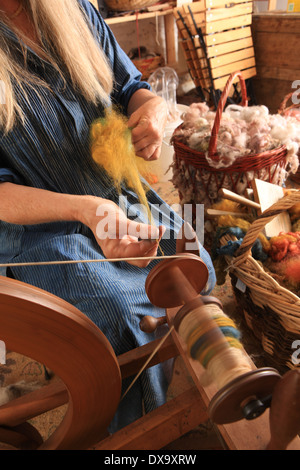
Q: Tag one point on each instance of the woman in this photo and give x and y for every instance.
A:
(60, 68)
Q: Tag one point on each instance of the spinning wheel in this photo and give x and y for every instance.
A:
(45, 328)
(175, 282)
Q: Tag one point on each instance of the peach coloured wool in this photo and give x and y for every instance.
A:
(293, 270)
(284, 244)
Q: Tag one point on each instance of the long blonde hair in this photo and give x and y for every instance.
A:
(64, 28)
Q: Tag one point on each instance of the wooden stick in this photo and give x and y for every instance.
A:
(238, 198)
(218, 213)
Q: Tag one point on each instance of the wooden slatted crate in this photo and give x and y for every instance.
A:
(276, 38)
(216, 40)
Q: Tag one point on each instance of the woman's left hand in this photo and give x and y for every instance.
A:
(148, 123)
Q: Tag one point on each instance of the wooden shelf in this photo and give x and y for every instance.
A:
(140, 16)
(169, 28)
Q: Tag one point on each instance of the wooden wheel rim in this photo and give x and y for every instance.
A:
(225, 407)
(53, 332)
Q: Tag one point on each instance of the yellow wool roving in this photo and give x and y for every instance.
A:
(112, 149)
(231, 221)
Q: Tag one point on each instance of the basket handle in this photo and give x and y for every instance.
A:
(213, 140)
(269, 214)
(283, 109)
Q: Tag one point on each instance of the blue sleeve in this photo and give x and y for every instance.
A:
(127, 77)
(9, 176)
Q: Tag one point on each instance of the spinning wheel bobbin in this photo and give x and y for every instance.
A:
(177, 282)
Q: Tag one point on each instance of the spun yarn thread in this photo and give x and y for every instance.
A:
(213, 340)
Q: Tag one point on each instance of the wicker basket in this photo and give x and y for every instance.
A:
(285, 111)
(147, 65)
(271, 311)
(129, 5)
(205, 179)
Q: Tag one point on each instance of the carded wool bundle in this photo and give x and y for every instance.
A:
(112, 149)
(284, 244)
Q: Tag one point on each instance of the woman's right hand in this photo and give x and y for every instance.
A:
(118, 236)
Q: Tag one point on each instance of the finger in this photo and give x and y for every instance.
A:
(136, 249)
(162, 229)
(131, 247)
(144, 252)
(141, 130)
(146, 140)
(133, 120)
(150, 254)
(137, 230)
(156, 154)
(136, 120)
(150, 152)
(147, 248)
(146, 133)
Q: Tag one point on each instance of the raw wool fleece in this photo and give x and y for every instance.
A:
(111, 148)
(243, 131)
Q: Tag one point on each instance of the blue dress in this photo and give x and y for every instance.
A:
(51, 151)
